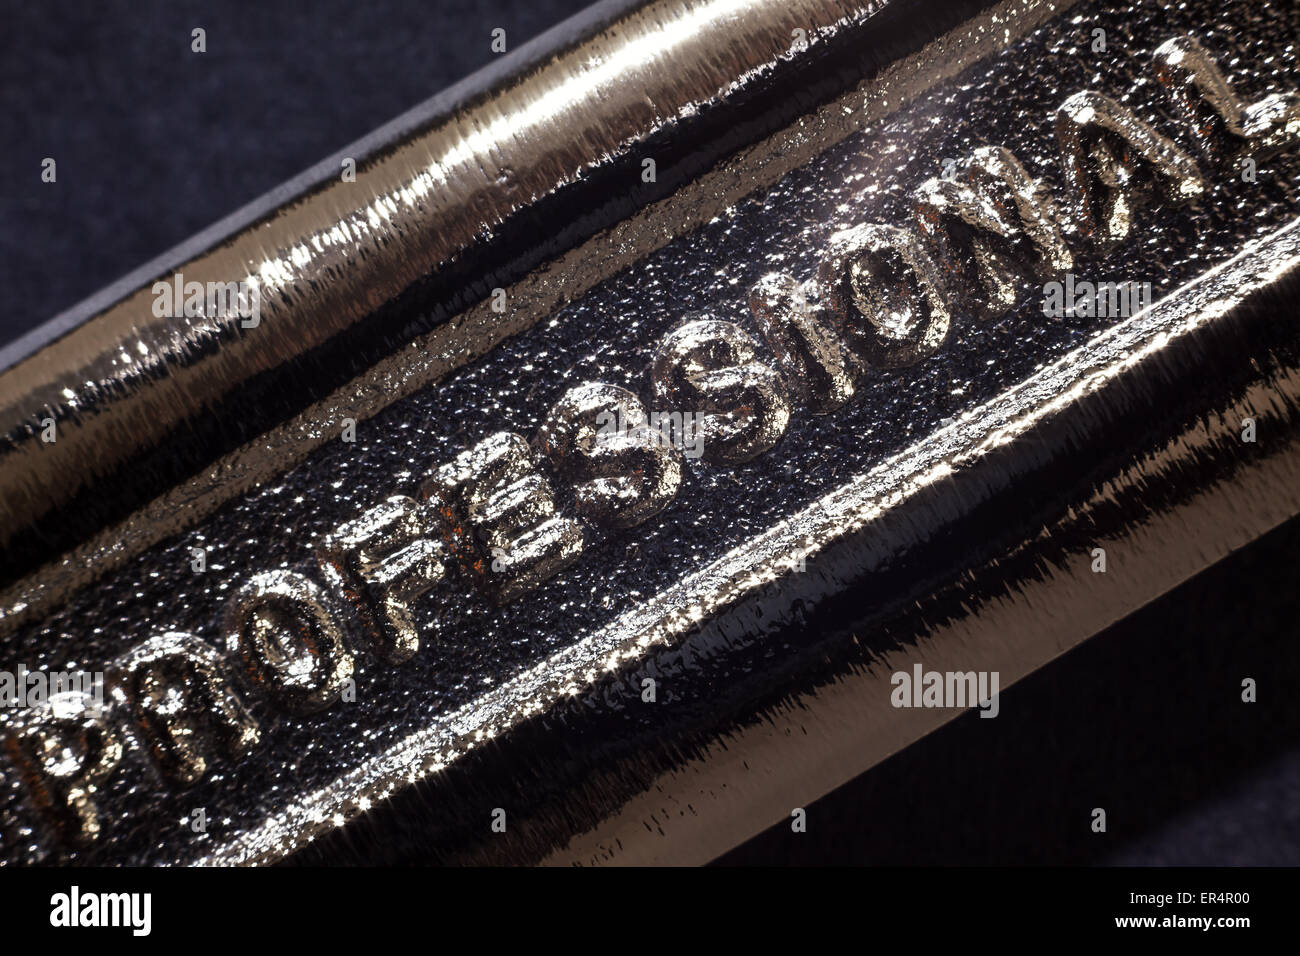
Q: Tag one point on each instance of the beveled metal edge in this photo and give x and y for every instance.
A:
(502, 70)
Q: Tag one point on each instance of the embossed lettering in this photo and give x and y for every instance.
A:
(382, 562)
(185, 706)
(290, 640)
(1112, 163)
(884, 294)
(620, 477)
(498, 514)
(815, 362)
(712, 366)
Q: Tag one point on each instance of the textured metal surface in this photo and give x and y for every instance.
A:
(936, 499)
(471, 201)
(194, 464)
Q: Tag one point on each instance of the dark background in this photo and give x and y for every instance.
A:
(154, 143)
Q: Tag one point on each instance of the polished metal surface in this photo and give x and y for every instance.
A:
(643, 642)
